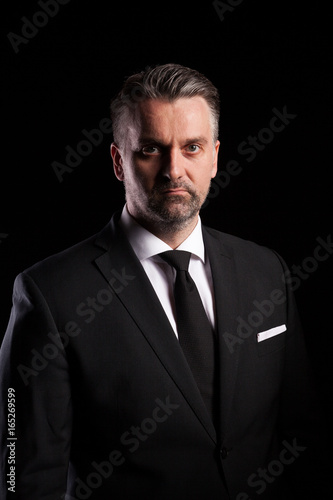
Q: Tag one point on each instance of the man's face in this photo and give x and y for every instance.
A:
(167, 161)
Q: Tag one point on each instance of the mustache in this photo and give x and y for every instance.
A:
(159, 187)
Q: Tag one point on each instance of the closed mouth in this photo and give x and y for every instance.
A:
(175, 191)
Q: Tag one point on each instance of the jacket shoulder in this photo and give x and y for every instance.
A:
(246, 252)
(68, 263)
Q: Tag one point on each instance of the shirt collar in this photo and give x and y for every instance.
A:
(146, 245)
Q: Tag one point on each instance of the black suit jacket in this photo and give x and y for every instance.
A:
(106, 404)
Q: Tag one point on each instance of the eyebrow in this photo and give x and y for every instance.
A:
(151, 140)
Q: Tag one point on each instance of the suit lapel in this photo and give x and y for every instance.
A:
(119, 264)
(226, 307)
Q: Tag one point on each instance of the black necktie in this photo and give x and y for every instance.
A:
(195, 332)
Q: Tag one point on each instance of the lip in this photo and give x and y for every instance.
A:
(175, 191)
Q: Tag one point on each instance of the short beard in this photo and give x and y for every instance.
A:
(173, 213)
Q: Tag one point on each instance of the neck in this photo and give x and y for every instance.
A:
(174, 238)
(172, 234)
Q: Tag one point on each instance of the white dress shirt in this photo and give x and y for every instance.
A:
(162, 276)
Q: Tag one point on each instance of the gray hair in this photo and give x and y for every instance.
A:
(169, 82)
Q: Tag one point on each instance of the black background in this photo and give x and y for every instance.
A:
(262, 55)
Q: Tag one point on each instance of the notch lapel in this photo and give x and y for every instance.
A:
(141, 302)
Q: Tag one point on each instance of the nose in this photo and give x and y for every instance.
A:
(173, 165)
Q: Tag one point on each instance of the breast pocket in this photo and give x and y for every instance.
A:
(269, 341)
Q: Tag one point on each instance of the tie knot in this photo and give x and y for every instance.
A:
(179, 259)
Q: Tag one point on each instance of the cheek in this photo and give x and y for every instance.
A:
(202, 178)
(140, 176)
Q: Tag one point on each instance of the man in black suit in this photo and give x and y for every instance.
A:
(100, 397)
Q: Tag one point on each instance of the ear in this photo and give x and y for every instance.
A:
(215, 159)
(117, 161)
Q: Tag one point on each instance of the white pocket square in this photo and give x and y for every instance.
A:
(267, 334)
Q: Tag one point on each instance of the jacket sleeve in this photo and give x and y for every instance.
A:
(35, 401)
(303, 423)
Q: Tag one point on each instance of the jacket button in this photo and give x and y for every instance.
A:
(224, 453)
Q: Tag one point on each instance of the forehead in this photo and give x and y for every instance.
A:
(184, 115)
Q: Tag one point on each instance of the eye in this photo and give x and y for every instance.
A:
(150, 150)
(193, 148)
